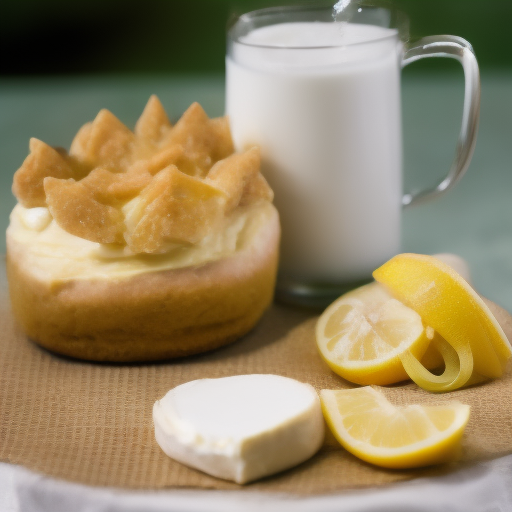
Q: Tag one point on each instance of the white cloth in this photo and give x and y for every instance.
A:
(481, 487)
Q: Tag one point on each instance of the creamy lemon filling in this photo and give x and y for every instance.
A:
(52, 254)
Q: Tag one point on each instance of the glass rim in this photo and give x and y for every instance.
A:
(269, 11)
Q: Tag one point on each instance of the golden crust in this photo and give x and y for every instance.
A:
(75, 208)
(174, 206)
(43, 161)
(152, 316)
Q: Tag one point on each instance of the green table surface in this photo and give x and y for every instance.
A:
(474, 220)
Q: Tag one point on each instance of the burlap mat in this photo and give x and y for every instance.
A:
(91, 423)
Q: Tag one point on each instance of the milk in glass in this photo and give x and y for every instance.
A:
(322, 100)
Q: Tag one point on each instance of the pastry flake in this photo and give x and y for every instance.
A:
(108, 143)
(257, 189)
(153, 124)
(42, 161)
(115, 188)
(174, 207)
(234, 173)
(205, 140)
(145, 189)
(77, 211)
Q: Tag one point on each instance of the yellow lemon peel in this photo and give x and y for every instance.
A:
(476, 347)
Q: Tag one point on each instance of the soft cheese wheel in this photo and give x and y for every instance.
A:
(240, 428)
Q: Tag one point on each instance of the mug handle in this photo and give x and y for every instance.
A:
(455, 48)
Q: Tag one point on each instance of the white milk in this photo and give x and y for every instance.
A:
(327, 118)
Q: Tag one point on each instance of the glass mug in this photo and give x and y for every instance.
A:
(322, 100)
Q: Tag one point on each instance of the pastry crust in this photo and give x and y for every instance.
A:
(178, 193)
(150, 316)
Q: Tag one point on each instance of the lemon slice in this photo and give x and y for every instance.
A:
(371, 428)
(447, 303)
(363, 333)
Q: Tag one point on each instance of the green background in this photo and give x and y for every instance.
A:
(156, 36)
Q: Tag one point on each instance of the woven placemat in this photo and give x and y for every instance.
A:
(91, 423)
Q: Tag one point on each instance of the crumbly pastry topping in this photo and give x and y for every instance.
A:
(145, 189)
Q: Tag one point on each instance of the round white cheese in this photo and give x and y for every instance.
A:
(240, 428)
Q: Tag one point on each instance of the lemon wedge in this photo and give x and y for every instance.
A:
(476, 348)
(363, 333)
(371, 428)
